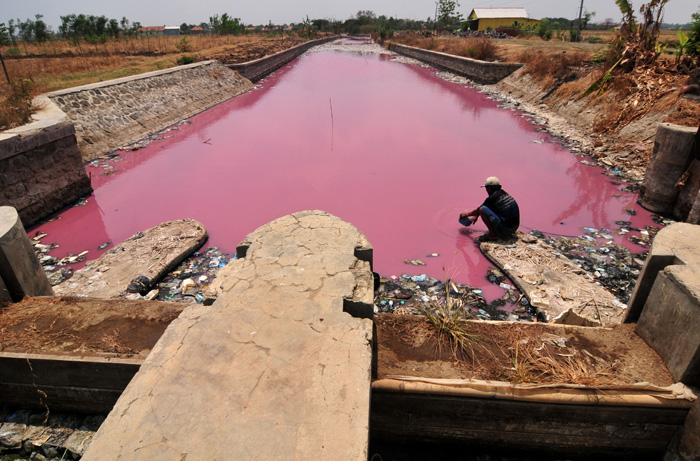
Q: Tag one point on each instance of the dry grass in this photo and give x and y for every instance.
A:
(112, 343)
(548, 68)
(54, 65)
(449, 320)
(534, 361)
(476, 48)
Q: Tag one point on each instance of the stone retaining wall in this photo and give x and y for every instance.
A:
(41, 169)
(255, 70)
(479, 71)
(109, 115)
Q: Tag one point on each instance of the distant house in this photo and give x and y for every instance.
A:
(196, 30)
(494, 18)
(171, 30)
(152, 30)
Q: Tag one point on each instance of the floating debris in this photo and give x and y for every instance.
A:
(416, 294)
(414, 262)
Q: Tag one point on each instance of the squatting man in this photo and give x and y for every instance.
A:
(499, 212)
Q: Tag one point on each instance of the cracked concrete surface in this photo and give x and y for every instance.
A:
(273, 369)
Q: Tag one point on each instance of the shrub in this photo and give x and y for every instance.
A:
(16, 109)
(543, 29)
(186, 60)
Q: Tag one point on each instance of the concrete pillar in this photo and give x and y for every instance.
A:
(19, 267)
(671, 156)
(688, 194)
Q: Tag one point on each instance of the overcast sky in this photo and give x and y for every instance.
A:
(175, 12)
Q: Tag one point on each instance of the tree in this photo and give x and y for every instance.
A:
(226, 25)
(543, 29)
(447, 13)
(587, 16)
(4, 35)
(692, 46)
(41, 31)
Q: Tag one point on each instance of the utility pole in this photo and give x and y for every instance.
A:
(435, 18)
(580, 14)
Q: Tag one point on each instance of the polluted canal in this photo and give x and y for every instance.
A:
(392, 146)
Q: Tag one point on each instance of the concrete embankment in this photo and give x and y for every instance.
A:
(259, 68)
(479, 71)
(41, 169)
(110, 115)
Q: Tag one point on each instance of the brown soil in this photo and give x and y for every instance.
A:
(79, 326)
(249, 51)
(518, 353)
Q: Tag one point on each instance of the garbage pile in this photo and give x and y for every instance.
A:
(189, 282)
(56, 269)
(613, 266)
(417, 294)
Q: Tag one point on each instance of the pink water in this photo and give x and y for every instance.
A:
(390, 147)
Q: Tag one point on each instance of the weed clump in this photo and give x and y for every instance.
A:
(480, 48)
(547, 67)
(15, 105)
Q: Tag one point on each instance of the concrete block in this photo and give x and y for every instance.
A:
(274, 369)
(678, 243)
(669, 160)
(19, 268)
(670, 321)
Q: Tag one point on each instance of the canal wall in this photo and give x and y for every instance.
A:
(110, 115)
(671, 185)
(41, 168)
(480, 71)
(259, 68)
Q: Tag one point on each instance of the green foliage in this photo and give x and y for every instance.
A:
(94, 29)
(543, 29)
(447, 13)
(385, 33)
(692, 47)
(184, 45)
(307, 29)
(182, 60)
(226, 25)
(4, 35)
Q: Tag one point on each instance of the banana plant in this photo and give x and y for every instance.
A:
(683, 41)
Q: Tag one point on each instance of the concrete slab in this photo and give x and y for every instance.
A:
(274, 369)
(150, 254)
(20, 272)
(555, 286)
